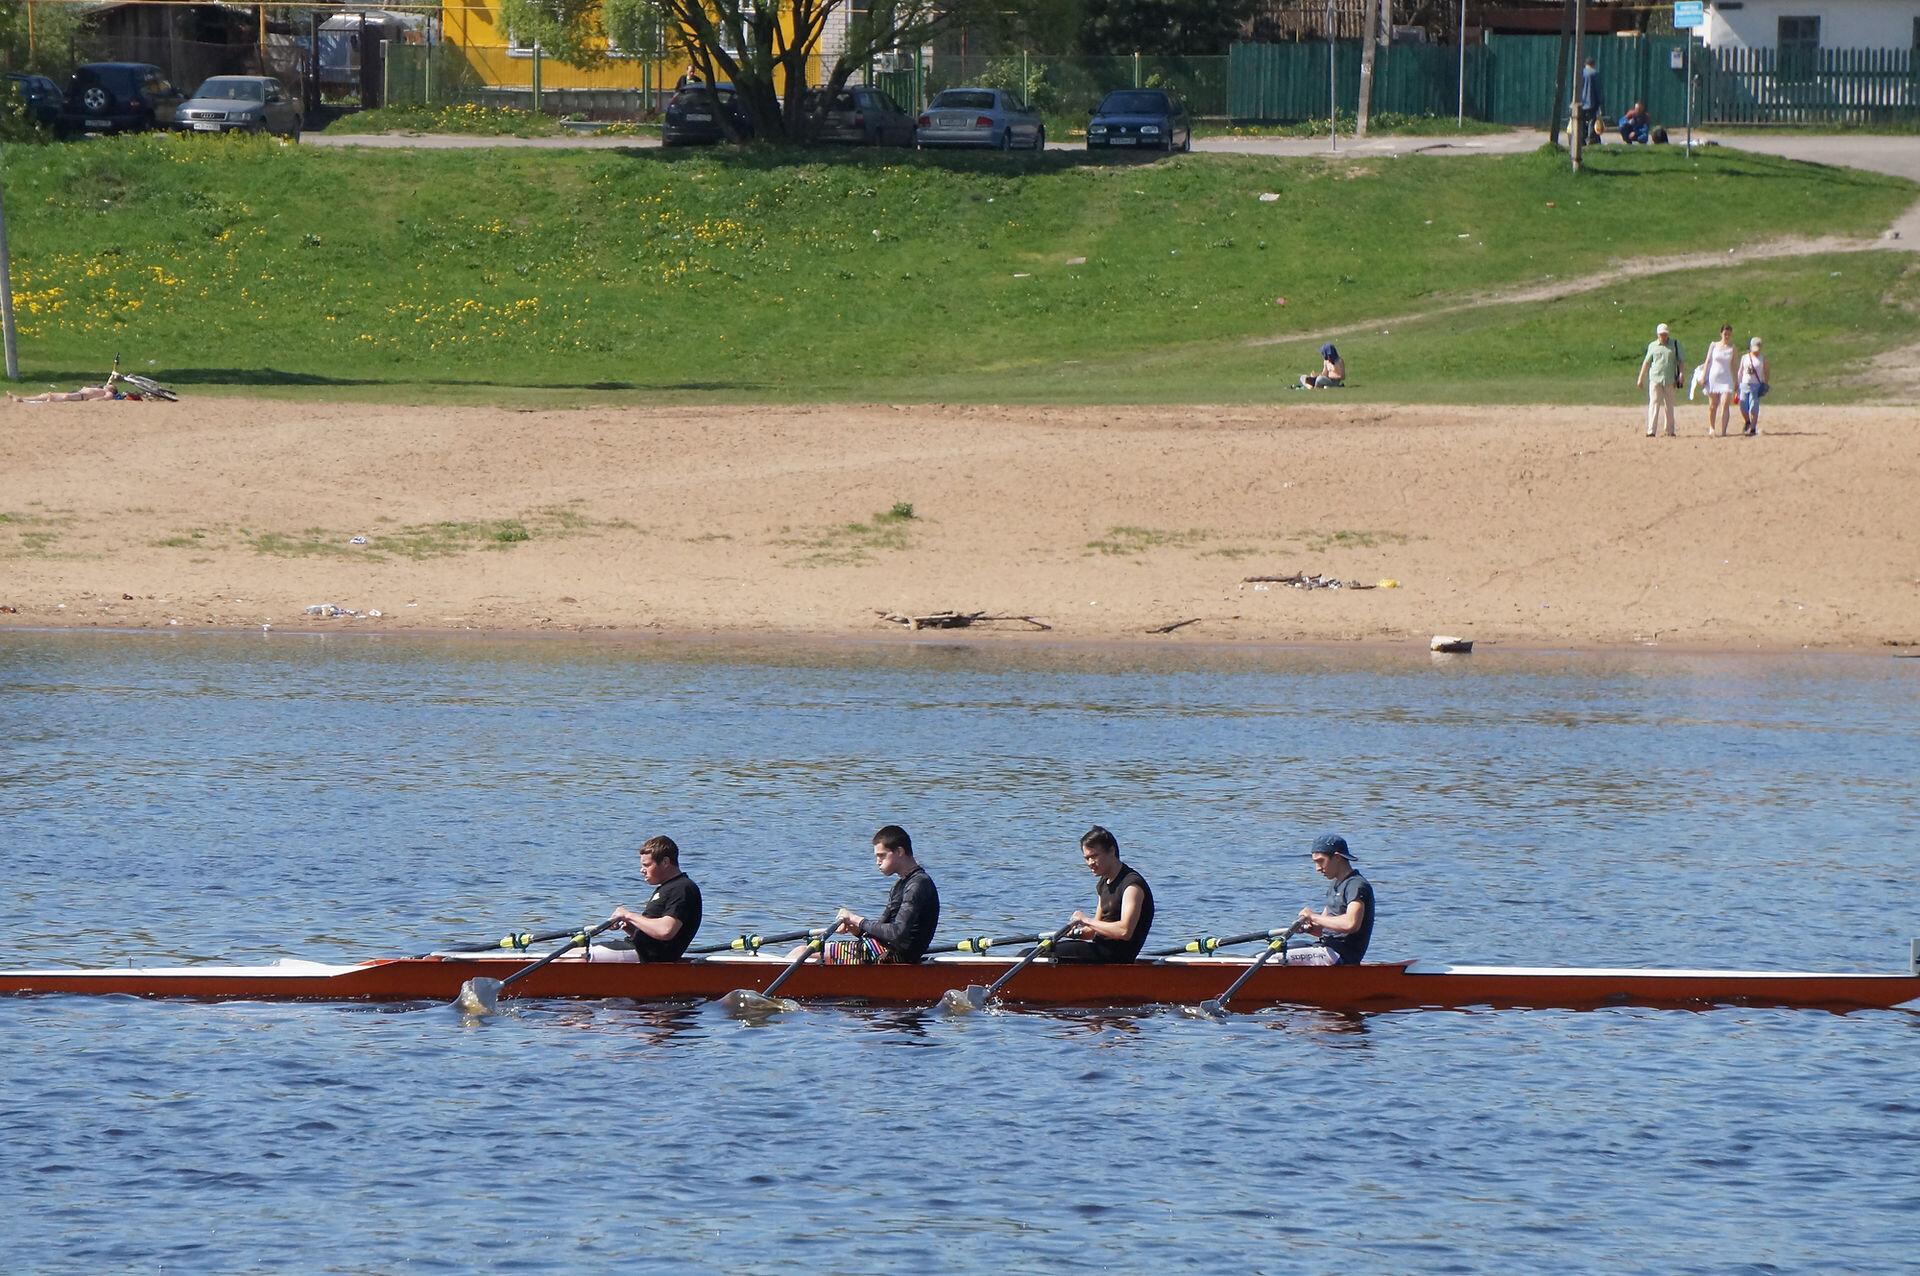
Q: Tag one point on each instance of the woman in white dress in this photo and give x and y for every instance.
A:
(1720, 389)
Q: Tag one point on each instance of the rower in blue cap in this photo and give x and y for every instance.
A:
(1344, 924)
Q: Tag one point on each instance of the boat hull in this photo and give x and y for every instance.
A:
(1373, 986)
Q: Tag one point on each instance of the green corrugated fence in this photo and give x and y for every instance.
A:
(1510, 80)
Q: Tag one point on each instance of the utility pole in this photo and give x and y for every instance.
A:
(1370, 29)
(1580, 73)
(1558, 107)
(1333, 88)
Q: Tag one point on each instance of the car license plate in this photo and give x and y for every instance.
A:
(703, 118)
(954, 121)
(99, 123)
(201, 126)
(1120, 141)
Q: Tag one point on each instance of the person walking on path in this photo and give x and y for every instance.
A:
(1658, 371)
(1719, 378)
(1753, 384)
(1593, 106)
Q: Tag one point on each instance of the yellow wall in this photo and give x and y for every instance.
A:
(476, 28)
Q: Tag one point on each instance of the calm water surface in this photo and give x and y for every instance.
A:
(205, 799)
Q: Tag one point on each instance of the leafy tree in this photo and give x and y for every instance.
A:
(49, 51)
(766, 49)
(1194, 27)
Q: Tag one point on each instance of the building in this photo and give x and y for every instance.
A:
(1798, 28)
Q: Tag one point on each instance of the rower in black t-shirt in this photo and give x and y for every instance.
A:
(904, 931)
(663, 928)
(1119, 927)
(1345, 922)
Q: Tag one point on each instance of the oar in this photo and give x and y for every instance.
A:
(516, 941)
(1208, 944)
(983, 942)
(752, 943)
(973, 997)
(1216, 1007)
(481, 996)
(745, 1001)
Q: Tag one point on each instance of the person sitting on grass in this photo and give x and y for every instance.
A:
(1332, 374)
(1635, 126)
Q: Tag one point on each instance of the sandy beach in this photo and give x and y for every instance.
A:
(1506, 525)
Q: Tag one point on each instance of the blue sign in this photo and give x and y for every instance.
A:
(1688, 14)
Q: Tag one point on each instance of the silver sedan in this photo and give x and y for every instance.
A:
(239, 103)
(980, 117)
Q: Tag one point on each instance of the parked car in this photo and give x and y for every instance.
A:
(38, 96)
(864, 117)
(1140, 118)
(118, 97)
(693, 115)
(980, 117)
(239, 104)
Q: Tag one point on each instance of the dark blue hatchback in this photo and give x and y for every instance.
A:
(1140, 119)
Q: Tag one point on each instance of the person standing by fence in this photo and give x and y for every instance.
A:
(1659, 370)
(1593, 106)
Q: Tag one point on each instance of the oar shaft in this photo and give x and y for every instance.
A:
(1275, 946)
(816, 942)
(1045, 945)
(1209, 943)
(577, 941)
(752, 943)
(982, 943)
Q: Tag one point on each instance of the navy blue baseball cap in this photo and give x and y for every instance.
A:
(1331, 844)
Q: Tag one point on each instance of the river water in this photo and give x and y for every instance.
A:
(185, 799)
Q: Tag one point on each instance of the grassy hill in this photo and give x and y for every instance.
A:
(542, 276)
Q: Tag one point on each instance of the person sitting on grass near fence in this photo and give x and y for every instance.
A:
(1635, 126)
(1332, 374)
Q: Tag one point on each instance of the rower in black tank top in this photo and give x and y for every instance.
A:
(1101, 852)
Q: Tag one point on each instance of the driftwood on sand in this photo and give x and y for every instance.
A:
(956, 619)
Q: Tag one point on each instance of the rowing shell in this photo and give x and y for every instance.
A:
(1177, 980)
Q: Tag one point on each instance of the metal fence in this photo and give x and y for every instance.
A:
(1511, 80)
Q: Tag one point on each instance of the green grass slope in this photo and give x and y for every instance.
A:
(543, 276)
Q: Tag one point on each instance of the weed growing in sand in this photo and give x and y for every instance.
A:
(1320, 542)
(314, 542)
(1120, 542)
(851, 543)
(32, 535)
(183, 540)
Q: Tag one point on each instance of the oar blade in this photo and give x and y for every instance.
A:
(479, 997)
(745, 1003)
(1211, 1008)
(964, 1001)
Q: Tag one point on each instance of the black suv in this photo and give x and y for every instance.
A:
(118, 97)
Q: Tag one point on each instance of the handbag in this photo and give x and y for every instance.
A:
(1759, 389)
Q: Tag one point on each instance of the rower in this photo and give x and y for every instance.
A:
(667, 923)
(1344, 924)
(1120, 926)
(904, 930)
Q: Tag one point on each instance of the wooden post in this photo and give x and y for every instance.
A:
(1369, 36)
(6, 298)
(1579, 140)
(1558, 111)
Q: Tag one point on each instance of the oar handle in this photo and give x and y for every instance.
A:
(753, 943)
(1044, 945)
(579, 940)
(1209, 943)
(816, 942)
(981, 943)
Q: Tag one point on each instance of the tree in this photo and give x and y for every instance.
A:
(766, 50)
(1194, 27)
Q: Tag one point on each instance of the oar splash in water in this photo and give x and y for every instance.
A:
(749, 1004)
(481, 996)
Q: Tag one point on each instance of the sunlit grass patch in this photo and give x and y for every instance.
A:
(847, 544)
(1127, 541)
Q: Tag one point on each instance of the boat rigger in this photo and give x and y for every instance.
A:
(1177, 980)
